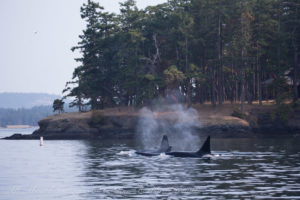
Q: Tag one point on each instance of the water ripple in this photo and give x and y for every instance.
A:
(101, 170)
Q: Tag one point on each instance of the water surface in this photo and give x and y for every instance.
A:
(62, 169)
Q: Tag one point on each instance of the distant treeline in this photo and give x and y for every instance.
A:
(26, 116)
(216, 50)
(23, 115)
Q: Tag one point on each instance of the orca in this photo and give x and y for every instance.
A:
(204, 150)
(164, 148)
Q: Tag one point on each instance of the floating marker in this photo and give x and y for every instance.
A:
(41, 141)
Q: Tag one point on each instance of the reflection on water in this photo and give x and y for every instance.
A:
(240, 168)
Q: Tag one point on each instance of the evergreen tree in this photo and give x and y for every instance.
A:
(217, 50)
(58, 105)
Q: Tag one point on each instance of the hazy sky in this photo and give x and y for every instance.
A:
(35, 41)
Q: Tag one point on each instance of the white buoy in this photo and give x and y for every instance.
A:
(41, 141)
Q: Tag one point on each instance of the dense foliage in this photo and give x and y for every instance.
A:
(214, 50)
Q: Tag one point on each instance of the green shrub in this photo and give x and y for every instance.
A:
(283, 112)
(238, 113)
(97, 118)
(296, 106)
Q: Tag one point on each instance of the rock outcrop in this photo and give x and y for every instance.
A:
(115, 124)
(87, 125)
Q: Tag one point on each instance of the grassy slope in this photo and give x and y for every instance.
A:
(208, 115)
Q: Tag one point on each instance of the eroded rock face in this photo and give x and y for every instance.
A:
(67, 128)
(118, 127)
(64, 126)
(81, 126)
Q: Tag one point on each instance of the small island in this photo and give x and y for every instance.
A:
(121, 123)
(237, 68)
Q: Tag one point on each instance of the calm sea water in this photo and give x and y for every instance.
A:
(240, 169)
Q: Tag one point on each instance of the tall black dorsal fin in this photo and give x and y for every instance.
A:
(205, 147)
(164, 146)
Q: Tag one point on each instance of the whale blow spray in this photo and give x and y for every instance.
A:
(175, 121)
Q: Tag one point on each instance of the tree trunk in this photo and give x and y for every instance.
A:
(213, 86)
(236, 91)
(249, 94)
(259, 76)
(254, 86)
(243, 90)
(220, 83)
(259, 68)
(278, 90)
(80, 104)
(295, 48)
(295, 85)
(189, 89)
(243, 83)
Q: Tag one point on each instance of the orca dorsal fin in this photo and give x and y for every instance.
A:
(164, 145)
(205, 147)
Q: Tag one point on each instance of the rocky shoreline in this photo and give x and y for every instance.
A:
(122, 125)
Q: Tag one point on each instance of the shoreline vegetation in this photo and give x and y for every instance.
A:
(218, 121)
